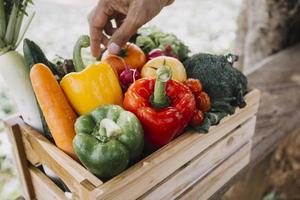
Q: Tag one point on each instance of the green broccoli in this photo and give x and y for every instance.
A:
(225, 85)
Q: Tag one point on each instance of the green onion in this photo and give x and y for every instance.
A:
(2, 20)
(12, 30)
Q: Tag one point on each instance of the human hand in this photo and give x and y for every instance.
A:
(129, 15)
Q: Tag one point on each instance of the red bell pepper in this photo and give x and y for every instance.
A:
(163, 106)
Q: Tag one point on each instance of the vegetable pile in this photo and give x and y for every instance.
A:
(225, 85)
(109, 114)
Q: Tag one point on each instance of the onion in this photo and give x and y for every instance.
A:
(129, 76)
(158, 52)
(155, 53)
(169, 51)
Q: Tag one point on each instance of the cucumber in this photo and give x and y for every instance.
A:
(33, 54)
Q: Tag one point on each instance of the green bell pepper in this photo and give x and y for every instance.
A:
(107, 139)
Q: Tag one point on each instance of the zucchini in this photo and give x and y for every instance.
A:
(33, 54)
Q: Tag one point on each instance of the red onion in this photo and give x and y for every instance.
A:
(155, 53)
(129, 76)
(158, 52)
(169, 51)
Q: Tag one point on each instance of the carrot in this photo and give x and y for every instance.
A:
(58, 112)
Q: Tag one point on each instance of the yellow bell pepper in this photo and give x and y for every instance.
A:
(177, 68)
(92, 87)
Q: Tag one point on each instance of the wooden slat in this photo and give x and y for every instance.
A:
(44, 188)
(14, 134)
(167, 160)
(207, 186)
(181, 180)
(40, 151)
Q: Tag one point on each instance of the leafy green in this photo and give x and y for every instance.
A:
(225, 85)
(151, 38)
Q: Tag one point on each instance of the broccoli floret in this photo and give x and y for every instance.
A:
(225, 85)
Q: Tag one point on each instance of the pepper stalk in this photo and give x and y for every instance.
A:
(108, 129)
(82, 42)
(160, 99)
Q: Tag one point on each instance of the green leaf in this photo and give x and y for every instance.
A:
(18, 27)
(26, 26)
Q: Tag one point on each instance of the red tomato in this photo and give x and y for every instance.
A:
(197, 118)
(194, 85)
(203, 102)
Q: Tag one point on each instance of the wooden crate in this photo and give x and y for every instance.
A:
(193, 166)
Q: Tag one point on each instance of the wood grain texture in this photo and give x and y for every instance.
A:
(45, 189)
(279, 113)
(203, 164)
(14, 133)
(207, 186)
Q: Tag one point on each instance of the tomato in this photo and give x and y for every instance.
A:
(116, 62)
(197, 118)
(131, 55)
(194, 85)
(203, 102)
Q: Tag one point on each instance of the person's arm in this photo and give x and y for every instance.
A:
(129, 15)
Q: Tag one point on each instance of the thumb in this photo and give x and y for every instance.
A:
(122, 35)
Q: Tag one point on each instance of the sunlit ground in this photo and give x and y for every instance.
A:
(206, 26)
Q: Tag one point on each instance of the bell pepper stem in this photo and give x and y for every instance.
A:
(160, 98)
(82, 42)
(110, 127)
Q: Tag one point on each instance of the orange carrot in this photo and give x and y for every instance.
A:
(58, 112)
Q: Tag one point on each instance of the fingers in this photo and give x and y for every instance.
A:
(122, 35)
(97, 21)
(96, 38)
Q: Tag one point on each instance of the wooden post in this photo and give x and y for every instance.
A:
(14, 134)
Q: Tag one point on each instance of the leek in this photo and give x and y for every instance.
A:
(12, 14)
(2, 21)
(13, 69)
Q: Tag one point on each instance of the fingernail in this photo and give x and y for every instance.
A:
(113, 48)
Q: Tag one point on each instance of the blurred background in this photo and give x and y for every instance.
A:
(206, 25)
